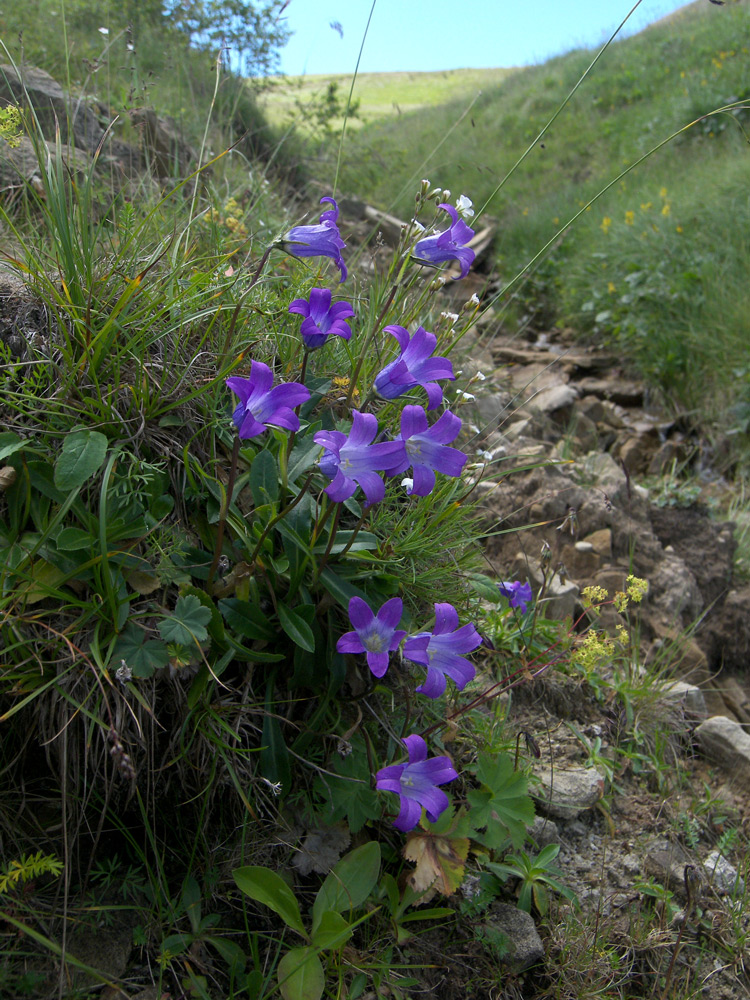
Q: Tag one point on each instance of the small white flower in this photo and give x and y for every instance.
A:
(479, 377)
(474, 429)
(453, 317)
(103, 31)
(408, 484)
(466, 395)
(275, 786)
(130, 47)
(464, 206)
(474, 299)
(417, 225)
(486, 455)
(425, 182)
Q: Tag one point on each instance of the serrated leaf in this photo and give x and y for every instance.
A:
(502, 805)
(300, 975)
(270, 889)
(82, 455)
(141, 654)
(439, 857)
(187, 624)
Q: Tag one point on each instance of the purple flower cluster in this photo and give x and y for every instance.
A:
(261, 405)
(414, 366)
(323, 240)
(518, 594)
(441, 652)
(448, 245)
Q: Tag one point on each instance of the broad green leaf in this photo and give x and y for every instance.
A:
(72, 539)
(264, 479)
(332, 931)
(295, 626)
(246, 619)
(349, 797)
(265, 886)
(187, 624)
(349, 882)
(301, 976)
(82, 455)
(141, 654)
(302, 458)
(502, 805)
(363, 541)
(10, 443)
(339, 588)
(274, 756)
(485, 587)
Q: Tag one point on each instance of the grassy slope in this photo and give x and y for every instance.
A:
(683, 214)
(381, 95)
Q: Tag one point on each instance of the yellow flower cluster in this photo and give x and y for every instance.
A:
(593, 595)
(11, 129)
(594, 649)
(230, 217)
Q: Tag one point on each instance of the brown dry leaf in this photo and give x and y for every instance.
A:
(7, 477)
(143, 583)
(440, 861)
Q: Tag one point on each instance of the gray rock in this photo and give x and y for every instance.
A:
(544, 832)
(568, 793)
(722, 875)
(526, 948)
(728, 745)
(554, 397)
(688, 696)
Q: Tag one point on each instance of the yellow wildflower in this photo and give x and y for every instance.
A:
(606, 223)
(666, 209)
(637, 588)
(629, 217)
(662, 193)
(611, 287)
(593, 595)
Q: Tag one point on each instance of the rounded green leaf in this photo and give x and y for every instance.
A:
(301, 975)
(265, 886)
(349, 882)
(82, 455)
(332, 931)
(296, 627)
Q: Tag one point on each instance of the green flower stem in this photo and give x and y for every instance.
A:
(331, 539)
(371, 337)
(282, 513)
(223, 515)
(353, 538)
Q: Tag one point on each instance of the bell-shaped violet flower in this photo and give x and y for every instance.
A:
(448, 245)
(261, 405)
(416, 784)
(354, 461)
(440, 651)
(518, 594)
(323, 240)
(414, 366)
(426, 448)
(322, 319)
(375, 635)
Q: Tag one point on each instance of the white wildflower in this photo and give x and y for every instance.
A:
(408, 484)
(103, 31)
(464, 206)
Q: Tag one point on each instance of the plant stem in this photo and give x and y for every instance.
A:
(334, 528)
(223, 515)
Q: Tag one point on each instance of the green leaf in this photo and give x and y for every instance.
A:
(302, 457)
(265, 886)
(295, 626)
(10, 443)
(350, 796)
(141, 654)
(349, 882)
(187, 624)
(82, 455)
(301, 976)
(332, 931)
(246, 619)
(264, 479)
(339, 588)
(274, 755)
(502, 805)
(485, 587)
(73, 539)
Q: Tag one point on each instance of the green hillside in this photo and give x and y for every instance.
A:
(661, 257)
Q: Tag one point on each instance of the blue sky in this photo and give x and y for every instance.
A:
(427, 35)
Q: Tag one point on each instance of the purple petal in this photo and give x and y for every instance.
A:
(414, 421)
(350, 642)
(390, 613)
(378, 663)
(417, 748)
(409, 815)
(341, 488)
(360, 613)
(320, 303)
(364, 428)
(423, 481)
(433, 685)
(301, 306)
(434, 395)
(415, 648)
(446, 618)
(435, 802)
(261, 376)
(388, 779)
(241, 387)
(373, 487)
(400, 333)
(435, 771)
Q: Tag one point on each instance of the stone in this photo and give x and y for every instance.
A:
(76, 121)
(566, 794)
(615, 390)
(553, 398)
(560, 597)
(688, 696)
(727, 744)
(601, 542)
(544, 832)
(525, 945)
(723, 876)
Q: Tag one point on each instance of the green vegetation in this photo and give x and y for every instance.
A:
(658, 264)
(204, 731)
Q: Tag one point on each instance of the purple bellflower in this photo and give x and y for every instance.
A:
(518, 594)
(323, 240)
(322, 319)
(416, 783)
(448, 245)
(354, 461)
(375, 635)
(440, 651)
(426, 448)
(261, 405)
(414, 366)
